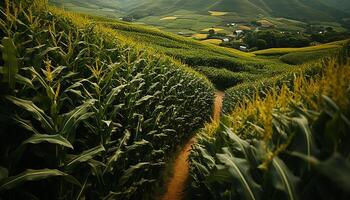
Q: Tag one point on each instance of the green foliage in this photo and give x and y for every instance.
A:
(321, 10)
(309, 63)
(303, 57)
(296, 148)
(221, 78)
(274, 39)
(33, 175)
(237, 94)
(87, 116)
(186, 50)
(283, 51)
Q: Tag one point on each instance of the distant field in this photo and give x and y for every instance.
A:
(213, 41)
(215, 29)
(217, 13)
(206, 53)
(282, 51)
(200, 36)
(265, 22)
(195, 16)
(245, 28)
(168, 18)
(296, 56)
(186, 21)
(90, 7)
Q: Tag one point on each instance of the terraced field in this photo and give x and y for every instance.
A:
(254, 66)
(96, 108)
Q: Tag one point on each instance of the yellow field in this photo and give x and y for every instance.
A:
(217, 13)
(244, 28)
(215, 29)
(200, 36)
(212, 41)
(281, 51)
(265, 22)
(169, 18)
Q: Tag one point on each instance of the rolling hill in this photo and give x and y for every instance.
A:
(225, 67)
(307, 10)
(97, 108)
(343, 5)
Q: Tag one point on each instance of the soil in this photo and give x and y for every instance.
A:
(177, 183)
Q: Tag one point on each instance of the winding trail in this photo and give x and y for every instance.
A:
(176, 185)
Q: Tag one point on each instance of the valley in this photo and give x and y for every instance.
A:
(228, 23)
(174, 99)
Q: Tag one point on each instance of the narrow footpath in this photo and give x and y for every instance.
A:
(176, 185)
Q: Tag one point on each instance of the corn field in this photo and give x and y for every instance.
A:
(290, 143)
(312, 63)
(85, 117)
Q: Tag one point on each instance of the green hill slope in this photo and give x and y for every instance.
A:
(311, 10)
(94, 108)
(225, 67)
(343, 5)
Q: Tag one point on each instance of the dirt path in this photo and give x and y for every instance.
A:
(177, 183)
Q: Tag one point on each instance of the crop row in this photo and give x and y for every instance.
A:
(276, 76)
(83, 116)
(285, 144)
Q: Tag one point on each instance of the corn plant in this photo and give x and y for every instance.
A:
(236, 94)
(84, 116)
(290, 145)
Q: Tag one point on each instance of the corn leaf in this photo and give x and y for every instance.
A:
(303, 141)
(283, 179)
(143, 99)
(118, 151)
(238, 168)
(72, 118)
(86, 155)
(23, 80)
(34, 175)
(132, 171)
(53, 139)
(35, 111)
(111, 96)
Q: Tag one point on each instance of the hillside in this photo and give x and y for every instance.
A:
(305, 10)
(225, 67)
(343, 5)
(93, 107)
